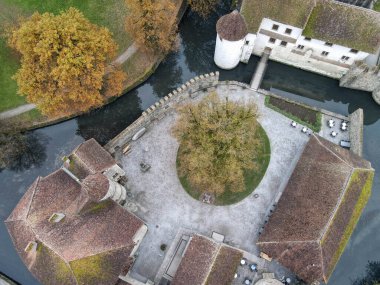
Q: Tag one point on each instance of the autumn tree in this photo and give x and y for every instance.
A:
(203, 7)
(64, 61)
(152, 24)
(218, 142)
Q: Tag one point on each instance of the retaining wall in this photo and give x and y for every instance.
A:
(356, 131)
(158, 110)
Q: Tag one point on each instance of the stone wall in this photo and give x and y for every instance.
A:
(158, 110)
(356, 131)
(362, 77)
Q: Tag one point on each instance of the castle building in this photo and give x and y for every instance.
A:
(69, 228)
(322, 36)
(318, 210)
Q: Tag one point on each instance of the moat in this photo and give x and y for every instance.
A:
(195, 57)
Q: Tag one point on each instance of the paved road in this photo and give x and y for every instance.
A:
(16, 111)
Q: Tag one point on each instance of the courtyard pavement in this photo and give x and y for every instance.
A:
(159, 199)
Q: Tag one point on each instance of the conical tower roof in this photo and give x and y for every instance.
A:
(232, 27)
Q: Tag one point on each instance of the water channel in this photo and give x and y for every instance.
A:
(195, 56)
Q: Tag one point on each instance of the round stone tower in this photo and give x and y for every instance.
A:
(231, 31)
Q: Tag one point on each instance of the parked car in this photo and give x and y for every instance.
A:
(346, 144)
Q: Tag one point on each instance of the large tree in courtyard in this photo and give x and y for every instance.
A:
(203, 7)
(218, 142)
(151, 25)
(64, 61)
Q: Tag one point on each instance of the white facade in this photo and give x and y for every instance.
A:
(288, 46)
(227, 53)
(335, 52)
(266, 33)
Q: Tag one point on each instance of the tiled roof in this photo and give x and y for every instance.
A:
(232, 27)
(290, 12)
(316, 194)
(345, 25)
(93, 156)
(90, 245)
(207, 262)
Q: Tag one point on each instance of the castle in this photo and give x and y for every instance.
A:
(327, 37)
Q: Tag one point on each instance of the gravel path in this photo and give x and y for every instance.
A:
(130, 51)
(16, 111)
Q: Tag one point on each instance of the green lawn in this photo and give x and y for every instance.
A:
(110, 13)
(8, 87)
(251, 178)
(376, 7)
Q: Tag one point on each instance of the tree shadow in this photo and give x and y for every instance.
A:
(20, 152)
(372, 275)
(105, 123)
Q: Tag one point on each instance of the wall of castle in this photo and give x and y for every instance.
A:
(362, 77)
(227, 53)
(158, 110)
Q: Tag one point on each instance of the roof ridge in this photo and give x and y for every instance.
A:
(311, 11)
(287, 241)
(333, 213)
(350, 6)
(103, 251)
(213, 261)
(323, 145)
(36, 181)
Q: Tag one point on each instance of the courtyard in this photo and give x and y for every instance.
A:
(158, 198)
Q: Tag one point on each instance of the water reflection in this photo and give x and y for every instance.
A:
(173, 76)
(97, 124)
(372, 275)
(23, 151)
(321, 89)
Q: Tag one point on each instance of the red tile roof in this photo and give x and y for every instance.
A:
(99, 235)
(93, 156)
(207, 262)
(316, 190)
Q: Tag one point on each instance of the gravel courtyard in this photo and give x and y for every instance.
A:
(159, 199)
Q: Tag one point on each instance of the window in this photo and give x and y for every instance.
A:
(354, 51)
(344, 58)
(300, 47)
(31, 246)
(328, 44)
(288, 31)
(56, 217)
(247, 42)
(307, 39)
(325, 53)
(275, 27)
(272, 40)
(283, 43)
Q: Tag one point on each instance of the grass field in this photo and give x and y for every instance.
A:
(110, 13)
(251, 178)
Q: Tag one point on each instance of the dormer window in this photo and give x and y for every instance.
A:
(275, 27)
(354, 51)
(328, 44)
(31, 247)
(56, 217)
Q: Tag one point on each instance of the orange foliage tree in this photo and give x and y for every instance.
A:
(150, 25)
(64, 61)
(203, 7)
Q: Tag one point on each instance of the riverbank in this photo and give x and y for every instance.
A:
(138, 65)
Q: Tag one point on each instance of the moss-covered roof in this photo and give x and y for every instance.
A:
(318, 210)
(207, 262)
(345, 25)
(291, 12)
(91, 245)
